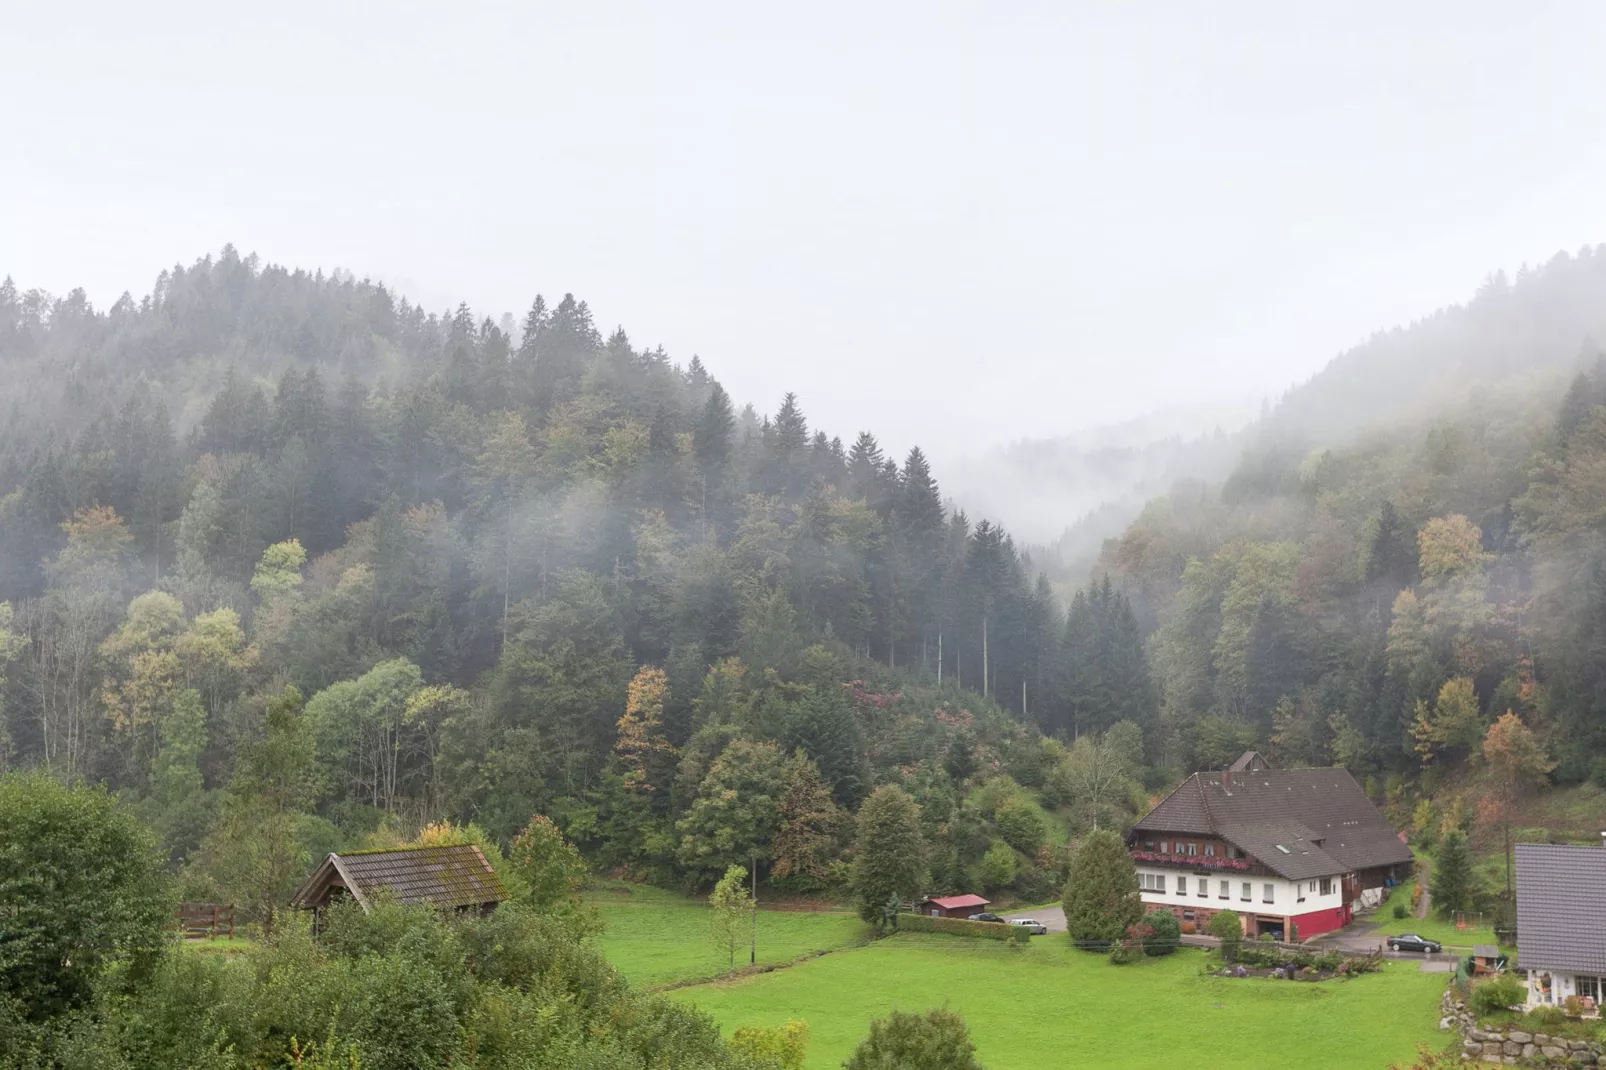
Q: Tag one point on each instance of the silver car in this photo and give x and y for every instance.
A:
(1031, 925)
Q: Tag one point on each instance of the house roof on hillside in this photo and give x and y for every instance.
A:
(447, 876)
(1561, 914)
(1299, 823)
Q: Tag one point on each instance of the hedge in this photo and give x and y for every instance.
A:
(986, 930)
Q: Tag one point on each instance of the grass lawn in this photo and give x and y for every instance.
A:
(657, 938)
(1048, 1006)
(1433, 927)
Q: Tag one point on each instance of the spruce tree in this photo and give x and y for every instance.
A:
(1101, 896)
(1451, 883)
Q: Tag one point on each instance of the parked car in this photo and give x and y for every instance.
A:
(1031, 925)
(985, 915)
(1413, 942)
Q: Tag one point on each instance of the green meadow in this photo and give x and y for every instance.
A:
(1044, 1006)
(1049, 1007)
(657, 938)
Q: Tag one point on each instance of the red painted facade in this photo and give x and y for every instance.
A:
(1322, 921)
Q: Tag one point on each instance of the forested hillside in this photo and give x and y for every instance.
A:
(511, 569)
(1380, 602)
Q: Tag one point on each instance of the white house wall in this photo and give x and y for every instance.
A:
(1285, 894)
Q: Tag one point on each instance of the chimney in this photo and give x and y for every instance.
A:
(1603, 839)
(1226, 782)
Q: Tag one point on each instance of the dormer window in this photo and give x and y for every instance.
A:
(1210, 850)
(1165, 848)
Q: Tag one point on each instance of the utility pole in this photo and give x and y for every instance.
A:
(752, 951)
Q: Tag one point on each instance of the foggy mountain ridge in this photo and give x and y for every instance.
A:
(1067, 495)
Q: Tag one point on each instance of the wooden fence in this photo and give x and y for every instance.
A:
(204, 921)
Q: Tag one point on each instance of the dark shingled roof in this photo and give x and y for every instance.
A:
(447, 876)
(1561, 913)
(1320, 817)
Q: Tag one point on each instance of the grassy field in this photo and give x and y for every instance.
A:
(658, 938)
(1049, 1007)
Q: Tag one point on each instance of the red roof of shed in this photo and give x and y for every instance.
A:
(954, 902)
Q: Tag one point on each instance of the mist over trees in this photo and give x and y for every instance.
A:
(282, 541)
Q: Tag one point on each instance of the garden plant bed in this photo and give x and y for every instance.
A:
(1283, 973)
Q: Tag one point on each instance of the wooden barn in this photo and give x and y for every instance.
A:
(952, 906)
(456, 877)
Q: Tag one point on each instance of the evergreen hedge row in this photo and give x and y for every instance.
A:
(986, 930)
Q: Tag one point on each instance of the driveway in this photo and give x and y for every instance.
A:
(1053, 918)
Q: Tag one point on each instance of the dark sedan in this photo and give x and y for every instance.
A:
(986, 916)
(1413, 942)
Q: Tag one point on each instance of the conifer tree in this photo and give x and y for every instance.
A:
(1451, 882)
(1101, 895)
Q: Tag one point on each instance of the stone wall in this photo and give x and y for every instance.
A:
(1514, 1047)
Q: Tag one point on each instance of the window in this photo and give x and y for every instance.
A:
(1182, 885)
(1247, 892)
(1588, 988)
(1192, 847)
(1165, 848)
(1148, 845)
(1204, 887)
(1269, 893)
(1210, 850)
(1226, 890)
(1152, 882)
(1327, 886)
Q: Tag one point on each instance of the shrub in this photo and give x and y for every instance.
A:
(936, 1040)
(82, 887)
(1165, 933)
(998, 866)
(1226, 926)
(1021, 825)
(1497, 994)
(1400, 911)
(784, 1047)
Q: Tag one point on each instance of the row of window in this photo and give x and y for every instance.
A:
(1156, 882)
(1189, 849)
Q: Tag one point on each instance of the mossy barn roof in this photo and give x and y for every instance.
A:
(448, 876)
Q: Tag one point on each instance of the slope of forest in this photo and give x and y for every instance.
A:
(1379, 599)
(510, 573)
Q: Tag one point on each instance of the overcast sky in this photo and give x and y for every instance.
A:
(952, 224)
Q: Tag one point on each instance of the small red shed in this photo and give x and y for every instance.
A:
(953, 906)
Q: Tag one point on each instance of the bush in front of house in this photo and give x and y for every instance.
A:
(1497, 994)
(1400, 911)
(1226, 926)
(1166, 935)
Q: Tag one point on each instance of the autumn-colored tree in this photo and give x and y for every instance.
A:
(1517, 761)
(646, 754)
(1453, 726)
(811, 828)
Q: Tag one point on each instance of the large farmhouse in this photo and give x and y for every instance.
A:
(1293, 851)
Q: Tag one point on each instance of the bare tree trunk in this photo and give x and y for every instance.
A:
(986, 673)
